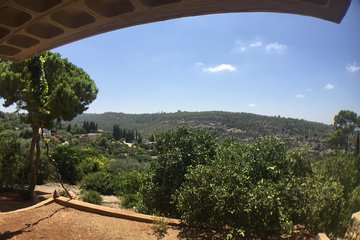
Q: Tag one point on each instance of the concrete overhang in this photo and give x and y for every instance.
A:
(28, 27)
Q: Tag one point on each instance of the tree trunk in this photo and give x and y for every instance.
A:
(34, 163)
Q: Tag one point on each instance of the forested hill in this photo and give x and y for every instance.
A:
(245, 126)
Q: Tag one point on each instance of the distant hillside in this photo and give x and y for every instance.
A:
(244, 126)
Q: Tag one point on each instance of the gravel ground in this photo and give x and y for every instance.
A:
(54, 221)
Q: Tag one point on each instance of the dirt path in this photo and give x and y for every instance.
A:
(54, 221)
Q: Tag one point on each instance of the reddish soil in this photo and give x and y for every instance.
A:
(54, 221)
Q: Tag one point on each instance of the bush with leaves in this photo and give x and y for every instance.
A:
(68, 159)
(102, 182)
(178, 151)
(354, 200)
(129, 184)
(11, 161)
(92, 197)
(322, 204)
(75, 162)
(342, 168)
(95, 163)
(243, 188)
(127, 164)
(261, 189)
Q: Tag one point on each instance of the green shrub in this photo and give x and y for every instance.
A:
(247, 188)
(178, 151)
(128, 164)
(46, 171)
(68, 159)
(91, 164)
(129, 182)
(342, 168)
(354, 200)
(102, 182)
(12, 162)
(92, 197)
(128, 185)
(131, 200)
(75, 162)
(322, 204)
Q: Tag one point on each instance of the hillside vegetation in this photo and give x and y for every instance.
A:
(265, 188)
(243, 126)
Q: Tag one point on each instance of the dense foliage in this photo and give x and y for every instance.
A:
(243, 126)
(256, 189)
(178, 151)
(128, 135)
(345, 134)
(47, 88)
(11, 165)
(253, 188)
(89, 127)
(92, 197)
(101, 182)
(75, 162)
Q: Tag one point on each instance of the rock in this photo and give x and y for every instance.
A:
(56, 194)
(322, 236)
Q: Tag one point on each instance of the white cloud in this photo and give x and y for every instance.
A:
(239, 46)
(329, 86)
(243, 49)
(252, 105)
(275, 47)
(301, 96)
(221, 68)
(256, 44)
(243, 46)
(352, 67)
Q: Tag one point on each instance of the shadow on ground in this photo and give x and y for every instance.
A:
(10, 201)
(10, 234)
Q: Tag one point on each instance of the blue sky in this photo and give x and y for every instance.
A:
(263, 63)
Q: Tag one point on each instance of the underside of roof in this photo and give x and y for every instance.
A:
(28, 27)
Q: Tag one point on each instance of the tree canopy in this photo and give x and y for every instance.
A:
(345, 123)
(48, 88)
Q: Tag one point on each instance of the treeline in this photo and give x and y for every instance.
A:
(90, 127)
(86, 127)
(128, 135)
(243, 126)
